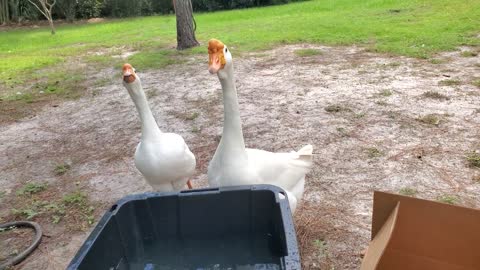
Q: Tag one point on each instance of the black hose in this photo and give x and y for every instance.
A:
(38, 238)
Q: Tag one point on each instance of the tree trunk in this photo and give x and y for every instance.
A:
(14, 10)
(50, 21)
(185, 30)
(7, 9)
(46, 10)
(4, 12)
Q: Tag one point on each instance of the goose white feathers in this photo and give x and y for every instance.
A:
(164, 159)
(233, 164)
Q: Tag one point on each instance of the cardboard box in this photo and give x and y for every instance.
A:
(415, 234)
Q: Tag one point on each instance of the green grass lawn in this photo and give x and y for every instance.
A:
(415, 28)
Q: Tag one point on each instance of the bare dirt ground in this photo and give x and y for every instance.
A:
(363, 112)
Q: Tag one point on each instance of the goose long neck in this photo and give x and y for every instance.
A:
(150, 129)
(232, 138)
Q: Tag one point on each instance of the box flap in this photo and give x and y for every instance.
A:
(380, 242)
(383, 206)
(426, 234)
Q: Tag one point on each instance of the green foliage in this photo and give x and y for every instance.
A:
(78, 202)
(17, 11)
(360, 115)
(72, 204)
(476, 83)
(343, 132)
(436, 61)
(195, 129)
(381, 103)
(435, 95)
(38, 207)
(27, 213)
(449, 82)
(128, 8)
(449, 199)
(192, 116)
(418, 30)
(321, 246)
(431, 119)
(56, 219)
(407, 191)
(473, 159)
(307, 52)
(89, 8)
(25, 97)
(66, 9)
(468, 54)
(31, 188)
(153, 59)
(334, 108)
(76, 198)
(386, 93)
(373, 152)
(165, 6)
(211, 5)
(61, 169)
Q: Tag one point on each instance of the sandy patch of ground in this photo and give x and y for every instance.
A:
(360, 110)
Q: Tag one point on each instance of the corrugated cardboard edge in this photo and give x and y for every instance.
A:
(386, 205)
(379, 243)
(383, 205)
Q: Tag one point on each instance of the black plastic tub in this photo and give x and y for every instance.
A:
(237, 228)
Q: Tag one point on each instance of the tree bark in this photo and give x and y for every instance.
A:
(46, 11)
(50, 21)
(7, 15)
(14, 10)
(185, 24)
(4, 12)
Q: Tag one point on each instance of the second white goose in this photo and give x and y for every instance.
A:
(233, 164)
(164, 159)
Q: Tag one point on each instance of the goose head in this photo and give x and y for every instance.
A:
(131, 81)
(220, 58)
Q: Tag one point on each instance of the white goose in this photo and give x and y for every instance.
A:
(164, 159)
(233, 164)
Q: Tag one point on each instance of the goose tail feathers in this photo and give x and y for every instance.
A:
(304, 157)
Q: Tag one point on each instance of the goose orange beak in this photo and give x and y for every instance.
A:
(214, 64)
(216, 58)
(128, 73)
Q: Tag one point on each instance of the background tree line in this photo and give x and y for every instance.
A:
(22, 10)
